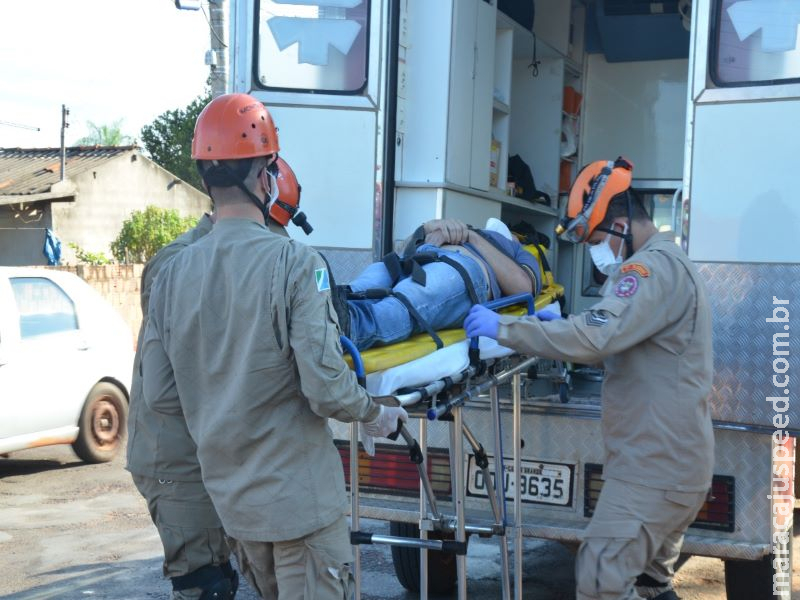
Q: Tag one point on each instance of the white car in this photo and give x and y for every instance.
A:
(65, 365)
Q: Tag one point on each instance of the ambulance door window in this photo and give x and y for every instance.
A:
(312, 45)
(754, 43)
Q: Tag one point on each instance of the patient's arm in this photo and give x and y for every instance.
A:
(511, 277)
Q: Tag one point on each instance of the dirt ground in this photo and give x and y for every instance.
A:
(71, 530)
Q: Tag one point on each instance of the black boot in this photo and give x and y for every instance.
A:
(652, 589)
(213, 582)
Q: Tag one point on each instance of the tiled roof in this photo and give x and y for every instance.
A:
(26, 171)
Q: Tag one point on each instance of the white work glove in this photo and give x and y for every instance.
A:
(384, 425)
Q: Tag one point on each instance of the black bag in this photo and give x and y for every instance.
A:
(530, 235)
(524, 187)
(523, 12)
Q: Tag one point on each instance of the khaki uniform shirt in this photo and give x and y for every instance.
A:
(652, 331)
(159, 445)
(245, 320)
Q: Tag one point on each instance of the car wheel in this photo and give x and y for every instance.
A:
(102, 424)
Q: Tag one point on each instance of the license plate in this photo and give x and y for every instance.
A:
(540, 482)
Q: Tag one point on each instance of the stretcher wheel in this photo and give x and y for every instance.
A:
(563, 392)
(441, 566)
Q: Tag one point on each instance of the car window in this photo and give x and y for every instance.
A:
(43, 307)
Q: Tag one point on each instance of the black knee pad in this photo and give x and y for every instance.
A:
(218, 582)
(223, 589)
(644, 580)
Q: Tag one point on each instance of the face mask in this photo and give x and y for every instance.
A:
(270, 182)
(603, 256)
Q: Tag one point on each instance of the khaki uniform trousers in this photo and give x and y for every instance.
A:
(314, 567)
(634, 529)
(187, 523)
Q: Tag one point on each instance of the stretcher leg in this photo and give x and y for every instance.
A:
(458, 499)
(516, 396)
(500, 492)
(423, 512)
(354, 503)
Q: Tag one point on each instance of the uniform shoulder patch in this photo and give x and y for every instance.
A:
(596, 318)
(637, 268)
(627, 286)
(323, 280)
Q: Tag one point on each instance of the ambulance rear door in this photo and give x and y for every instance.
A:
(319, 66)
(741, 214)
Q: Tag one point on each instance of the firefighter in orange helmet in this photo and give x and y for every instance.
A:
(286, 206)
(651, 329)
(241, 324)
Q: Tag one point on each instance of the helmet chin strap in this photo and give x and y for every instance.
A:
(262, 206)
(628, 237)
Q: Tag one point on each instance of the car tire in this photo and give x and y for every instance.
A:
(102, 424)
(441, 565)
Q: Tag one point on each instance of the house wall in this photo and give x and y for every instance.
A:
(109, 194)
(22, 231)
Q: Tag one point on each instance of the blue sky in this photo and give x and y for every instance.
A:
(105, 59)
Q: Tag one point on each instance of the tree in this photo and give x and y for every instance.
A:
(105, 135)
(168, 140)
(147, 231)
(89, 258)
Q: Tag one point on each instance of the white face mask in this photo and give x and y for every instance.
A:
(270, 182)
(603, 256)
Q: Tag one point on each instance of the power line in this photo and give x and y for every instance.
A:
(20, 125)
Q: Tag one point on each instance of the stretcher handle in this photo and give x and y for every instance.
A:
(358, 364)
(511, 300)
(527, 298)
(398, 431)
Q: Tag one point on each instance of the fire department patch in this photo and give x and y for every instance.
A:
(627, 286)
(596, 318)
(323, 281)
(637, 268)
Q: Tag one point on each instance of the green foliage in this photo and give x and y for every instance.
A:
(105, 135)
(89, 258)
(147, 231)
(168, 140)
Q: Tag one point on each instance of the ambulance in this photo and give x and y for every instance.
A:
(394, 112)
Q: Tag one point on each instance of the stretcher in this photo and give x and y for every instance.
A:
(435, 385)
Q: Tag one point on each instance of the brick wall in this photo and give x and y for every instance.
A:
(119, 284)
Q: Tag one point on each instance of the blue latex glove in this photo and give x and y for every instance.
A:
(482, 321)
(548, 316)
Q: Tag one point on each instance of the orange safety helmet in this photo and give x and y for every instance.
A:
(288, 200)
(232, 127)
(593, 190)
(286, 205)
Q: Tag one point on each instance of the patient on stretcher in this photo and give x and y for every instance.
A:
(445, 268)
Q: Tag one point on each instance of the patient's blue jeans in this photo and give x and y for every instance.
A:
(443, 302)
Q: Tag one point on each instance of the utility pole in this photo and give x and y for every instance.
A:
(217, 57)
(64, 125)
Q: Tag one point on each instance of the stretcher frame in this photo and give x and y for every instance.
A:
(479, 378)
